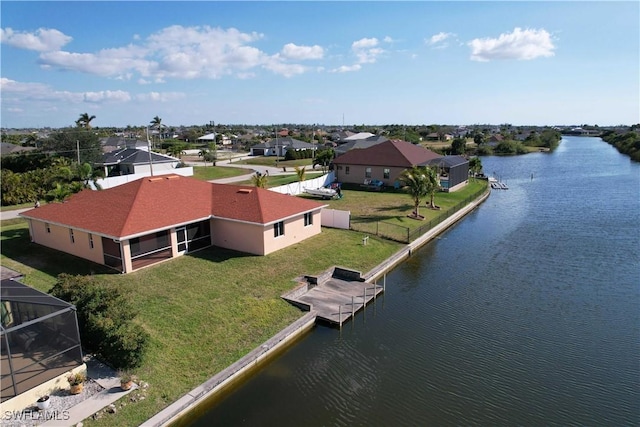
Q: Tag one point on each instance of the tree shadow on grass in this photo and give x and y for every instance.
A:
(17, 247)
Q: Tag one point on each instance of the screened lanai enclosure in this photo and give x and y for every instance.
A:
(40, 338)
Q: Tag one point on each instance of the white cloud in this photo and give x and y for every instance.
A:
(439, 40)
(519, 44)
(293, 51)
(43, 40)
(366, 50)
(286, 70)
(364, 43)
(160, 96)
(107, 95)
(42, 92)
(346, 68)
(183, 53)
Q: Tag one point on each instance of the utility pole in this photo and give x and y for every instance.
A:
(78, 149)
(149, 151)
(276, 132)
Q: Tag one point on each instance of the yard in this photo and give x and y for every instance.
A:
(206, 310)
(203, 311)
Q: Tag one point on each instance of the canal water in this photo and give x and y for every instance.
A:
(527, 312)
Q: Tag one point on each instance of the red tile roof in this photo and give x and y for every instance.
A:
(394, 153)
(160, 202)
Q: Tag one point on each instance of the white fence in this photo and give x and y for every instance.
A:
(114, 181)
(296, 188)
(335, 218)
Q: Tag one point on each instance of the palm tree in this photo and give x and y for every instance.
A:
(419, 182)
(176, 150)
(87, 174)
(475, 165)
(260, 179)
(156, 122)
(85, 121)
(300, 172)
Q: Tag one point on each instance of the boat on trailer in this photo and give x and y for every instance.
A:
(324, 192)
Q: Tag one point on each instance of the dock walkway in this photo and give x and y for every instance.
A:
(335, 296)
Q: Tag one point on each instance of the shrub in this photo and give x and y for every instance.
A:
(105, 319)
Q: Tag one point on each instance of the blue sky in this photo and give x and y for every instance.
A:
(524, 63)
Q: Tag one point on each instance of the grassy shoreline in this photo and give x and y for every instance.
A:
(206, 310)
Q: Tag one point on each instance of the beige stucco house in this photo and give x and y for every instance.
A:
(158, 218)
(384, 161)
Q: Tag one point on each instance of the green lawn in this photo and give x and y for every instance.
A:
(206, 310)
(271, 161)
(207, 173)
(203, 311)
(276, 180)
(394, 205)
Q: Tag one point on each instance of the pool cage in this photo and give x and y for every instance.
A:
(39, 338)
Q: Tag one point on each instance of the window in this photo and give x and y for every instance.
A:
(308, 219)
(346, 170)
(48, 228)
(367, 173)
(71, 237)
(386, 172)
(91, 240)
(278, 229)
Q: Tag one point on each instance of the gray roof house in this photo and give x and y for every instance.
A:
(278, 146)
(453, 171)
(360, 143)
(128, 164)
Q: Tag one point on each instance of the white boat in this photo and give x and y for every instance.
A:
(325, 193)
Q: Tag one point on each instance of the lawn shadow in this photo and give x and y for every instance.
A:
(17, 246)
(218, 254)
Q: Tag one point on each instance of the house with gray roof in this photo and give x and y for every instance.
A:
(127, 164)
(360, 143)
(279, 147)
(453, 171)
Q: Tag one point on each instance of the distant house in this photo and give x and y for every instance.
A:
(356, 137)
(453, 171)
(359, 143)
(154, 219)
(6, 149)
(208, 138)
(279, 147)
(495, 140)
(384, 161)
(129, 164)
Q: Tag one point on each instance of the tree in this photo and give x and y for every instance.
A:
(458, 146)
(478, 138)
(88, 174)
(420, 182)
(260, 179)
(105, 319)
(85, 121)
(323, 158)
(300, 172)
(156, 122)
(73, 143)
(176, 150)
(209, 155)
(475, 165)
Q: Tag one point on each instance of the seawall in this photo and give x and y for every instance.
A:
(271, 347)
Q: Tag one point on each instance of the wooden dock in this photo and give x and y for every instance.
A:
(336, 295)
